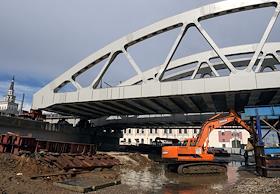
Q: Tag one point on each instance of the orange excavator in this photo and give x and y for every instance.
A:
(192, 157)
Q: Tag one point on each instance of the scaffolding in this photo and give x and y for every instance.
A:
(267, 156)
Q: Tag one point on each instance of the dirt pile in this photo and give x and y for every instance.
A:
(140, 158)
(16, 172)
(25, 165)
(135, 161)
(257, 185)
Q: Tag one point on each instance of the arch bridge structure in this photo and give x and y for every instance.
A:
(211, 81)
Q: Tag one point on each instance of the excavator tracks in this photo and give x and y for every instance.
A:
(202, 168)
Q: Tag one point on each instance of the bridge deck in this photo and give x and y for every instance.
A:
(188, 96)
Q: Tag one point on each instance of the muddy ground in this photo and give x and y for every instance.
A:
(16, 173)
(137, 173)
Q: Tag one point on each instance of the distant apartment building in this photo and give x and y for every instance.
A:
(230, 137)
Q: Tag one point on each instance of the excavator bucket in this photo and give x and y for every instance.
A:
(249, 147)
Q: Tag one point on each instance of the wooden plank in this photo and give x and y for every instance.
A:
(106, 184)
(76, 188)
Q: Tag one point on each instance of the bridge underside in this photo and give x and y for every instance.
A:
(196, 103)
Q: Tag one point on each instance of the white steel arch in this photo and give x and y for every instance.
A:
(241, 52)
(49, 96)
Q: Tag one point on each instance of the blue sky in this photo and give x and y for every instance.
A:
(41, 39)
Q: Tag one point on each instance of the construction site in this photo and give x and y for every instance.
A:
(31, 165)
(207, 122)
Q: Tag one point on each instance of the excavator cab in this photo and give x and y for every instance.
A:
(188, 142)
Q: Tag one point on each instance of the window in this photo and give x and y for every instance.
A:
(129, 141)
(142, 140)
(185, 131)
(165, 130)
(236, 144)
(151, 131)
(223, 133)
(129, 131)
(155, 130)
(170, 130)
(142, 131)
(137, 130)
(137, 140)
(151, 141)
(195, 131)
(224, 145)
(124, 140)
(180, 130)
(124, 131)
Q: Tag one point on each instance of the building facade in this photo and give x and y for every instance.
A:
(8, 106)
(230, 137)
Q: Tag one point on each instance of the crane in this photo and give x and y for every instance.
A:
(192, 156)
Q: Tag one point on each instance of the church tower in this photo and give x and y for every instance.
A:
(9, 106)
(11, 92)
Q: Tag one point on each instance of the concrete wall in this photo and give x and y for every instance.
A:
(57, 132)
(42, 130)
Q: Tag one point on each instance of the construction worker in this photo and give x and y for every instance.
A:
(246, 157)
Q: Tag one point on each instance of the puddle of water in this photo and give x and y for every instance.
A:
(148, 179)
(158, 180)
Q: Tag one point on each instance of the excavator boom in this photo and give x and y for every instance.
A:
(218, 121)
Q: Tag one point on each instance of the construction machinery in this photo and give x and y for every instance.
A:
(192, 157)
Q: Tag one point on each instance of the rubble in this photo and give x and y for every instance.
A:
(257, 185)
(23, 159)
(47, 168)
(79, 161)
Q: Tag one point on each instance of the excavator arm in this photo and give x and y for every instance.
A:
(219, 121)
